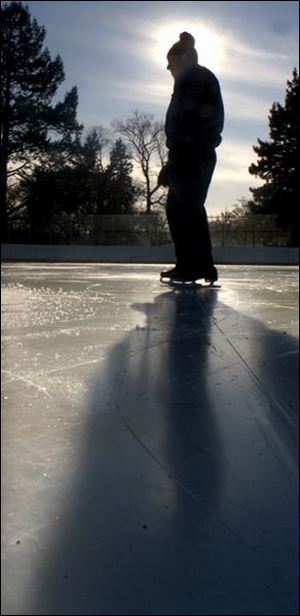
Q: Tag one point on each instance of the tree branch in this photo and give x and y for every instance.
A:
(14, 171)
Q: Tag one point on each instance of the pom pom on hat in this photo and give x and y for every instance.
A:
(186, 44)
(187, 40)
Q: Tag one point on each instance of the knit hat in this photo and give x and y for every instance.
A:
(186, 44)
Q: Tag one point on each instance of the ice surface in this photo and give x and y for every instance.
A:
(149, 441)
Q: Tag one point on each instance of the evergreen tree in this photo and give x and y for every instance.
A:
(119, 194)
(74, 191)
(30, 126)
(92, 151)
(66, 188)
(65, 194)
(277, 164)
(120, 164)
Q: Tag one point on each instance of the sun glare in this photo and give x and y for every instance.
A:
(208, 44)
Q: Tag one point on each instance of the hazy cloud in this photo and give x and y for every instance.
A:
(115, 53)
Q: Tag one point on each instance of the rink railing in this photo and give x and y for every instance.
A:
(146, 230)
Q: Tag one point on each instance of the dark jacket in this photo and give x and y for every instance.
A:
(195, 116)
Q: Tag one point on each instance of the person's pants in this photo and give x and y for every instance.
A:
(186, 214)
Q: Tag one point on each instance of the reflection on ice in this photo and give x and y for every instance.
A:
(149, 448)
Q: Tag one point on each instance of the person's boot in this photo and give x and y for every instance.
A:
(170, 273)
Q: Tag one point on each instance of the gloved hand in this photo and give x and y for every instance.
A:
(163, 179)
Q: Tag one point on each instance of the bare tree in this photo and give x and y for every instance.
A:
(148, 150)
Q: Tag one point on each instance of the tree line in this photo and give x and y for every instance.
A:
(52, 169)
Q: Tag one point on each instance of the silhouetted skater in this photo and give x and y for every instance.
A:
(193, 127)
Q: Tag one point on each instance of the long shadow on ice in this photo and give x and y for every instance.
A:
(185, 498)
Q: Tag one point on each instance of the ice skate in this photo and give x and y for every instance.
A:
(200, 279)
(167, 275)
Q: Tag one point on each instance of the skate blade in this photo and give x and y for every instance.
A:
(173, 282)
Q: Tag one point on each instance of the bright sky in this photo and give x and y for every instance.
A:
(115, 52)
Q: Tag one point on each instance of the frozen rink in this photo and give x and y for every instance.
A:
(149, 441)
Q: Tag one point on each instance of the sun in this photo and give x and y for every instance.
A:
(208, 43)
